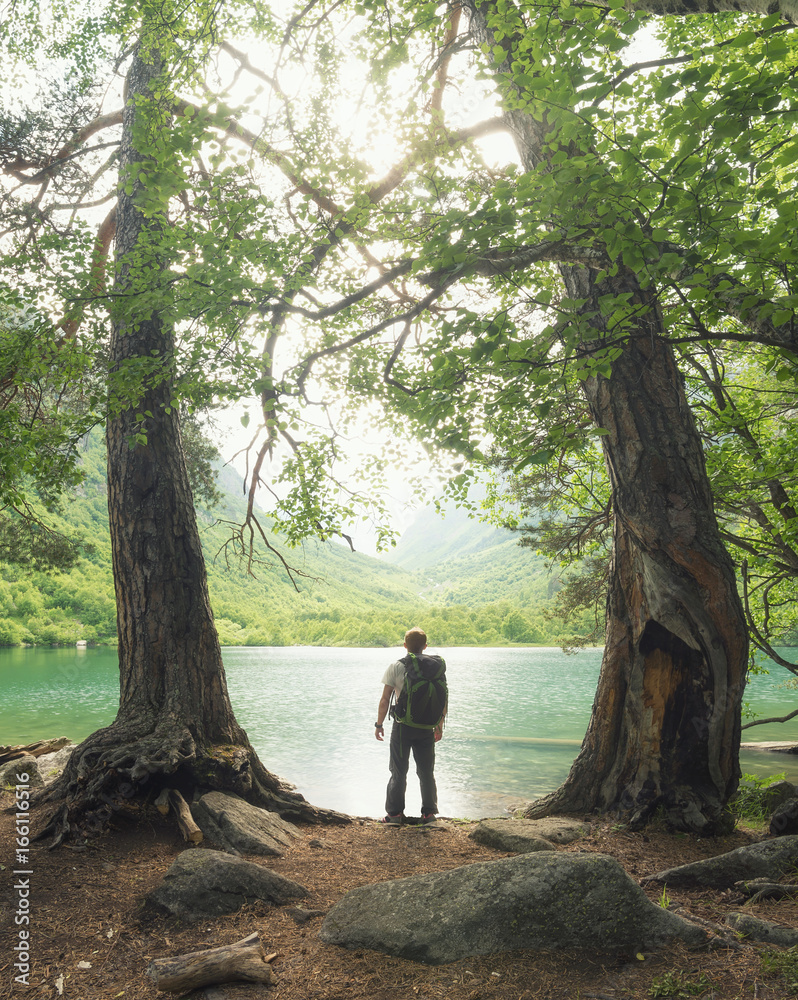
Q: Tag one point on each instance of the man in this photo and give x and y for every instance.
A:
(407, 737)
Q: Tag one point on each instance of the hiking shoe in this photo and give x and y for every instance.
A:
(428, 818)
(392, 820)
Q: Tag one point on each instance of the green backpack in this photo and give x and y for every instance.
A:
(423, 699)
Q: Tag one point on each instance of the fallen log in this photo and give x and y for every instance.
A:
(244, 961)
(171, 797)
(162, 802)
(33, 749)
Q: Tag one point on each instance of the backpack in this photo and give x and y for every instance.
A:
(423, 699)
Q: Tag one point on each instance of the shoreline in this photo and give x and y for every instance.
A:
(773, 746)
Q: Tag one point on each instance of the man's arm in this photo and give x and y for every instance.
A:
(439, 727)
(382, 711)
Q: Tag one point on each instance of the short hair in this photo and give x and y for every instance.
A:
(415, 640)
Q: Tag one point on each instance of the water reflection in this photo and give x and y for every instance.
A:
(516, 721)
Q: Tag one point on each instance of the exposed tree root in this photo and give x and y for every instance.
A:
(122, 770)
(759, 889)
(681, 814)
(724, 937)
(557, 803)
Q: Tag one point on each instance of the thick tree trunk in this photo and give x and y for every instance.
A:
(175, 723)
(665, 727)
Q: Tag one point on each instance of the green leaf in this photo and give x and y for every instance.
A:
(536, 458)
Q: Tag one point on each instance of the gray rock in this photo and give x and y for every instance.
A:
(235, 825)
(42, 770)
(526, 835)
(510, 835)
(777, 793)
(785, 818)
(13, 771)
(560, 829)
(52, 764)
(204, 883)
(762, 930)
(768, 859)
(536, 901)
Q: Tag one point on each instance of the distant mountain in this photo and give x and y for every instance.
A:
(468, 583)
(456, 559)
(432, 538)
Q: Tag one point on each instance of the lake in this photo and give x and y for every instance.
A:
(516, 720)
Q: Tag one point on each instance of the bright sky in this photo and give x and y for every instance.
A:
(497, 151)
(382, 151)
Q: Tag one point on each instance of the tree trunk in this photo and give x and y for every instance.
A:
(665, 727)
(175, 724)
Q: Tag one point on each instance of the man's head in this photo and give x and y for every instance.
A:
(415, 640)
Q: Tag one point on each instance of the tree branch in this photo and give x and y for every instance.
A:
(350, 300)
(70, 324)
(305, 367)
(685, 8)
(763, 722)
(435, 104)
(243, 59)
(676, 60)
(738, 301)
(44, 173)
(68, 150)
(757, 636)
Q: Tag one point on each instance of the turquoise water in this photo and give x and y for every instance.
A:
(517, 717)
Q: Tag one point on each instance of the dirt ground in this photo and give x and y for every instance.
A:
(91, 940)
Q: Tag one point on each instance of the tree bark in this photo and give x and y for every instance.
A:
(665, 727)
(243, 961)
(788, 9)
(175, 724)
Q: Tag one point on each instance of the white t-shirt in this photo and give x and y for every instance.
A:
(395, 676)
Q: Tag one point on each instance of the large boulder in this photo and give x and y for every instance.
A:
(535, 901)
(237, 826)
(769, 859)
(526, 835)
(202, 883)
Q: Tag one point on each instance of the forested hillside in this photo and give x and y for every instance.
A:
(494, 592)
(434, 538)
(457, 560)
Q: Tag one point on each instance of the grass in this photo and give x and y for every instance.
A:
(784, 964)
(751, 802)
(679, 986)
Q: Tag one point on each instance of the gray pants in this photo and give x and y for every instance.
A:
(422, 743)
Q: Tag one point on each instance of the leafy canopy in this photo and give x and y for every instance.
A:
(336, 237)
